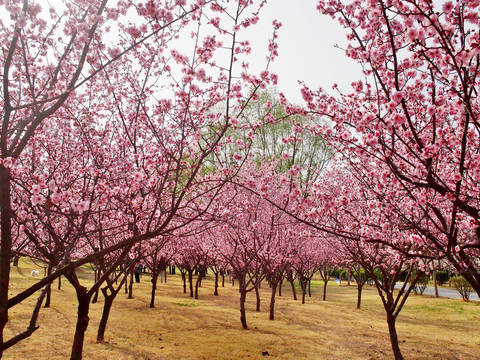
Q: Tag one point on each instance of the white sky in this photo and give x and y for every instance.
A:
(306, 48)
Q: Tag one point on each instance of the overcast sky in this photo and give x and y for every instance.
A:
(306, 48)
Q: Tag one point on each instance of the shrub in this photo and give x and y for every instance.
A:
(442, 277)
(462, 286)
(403, 276)
(361, 277)
(378, 275)
(421, 283)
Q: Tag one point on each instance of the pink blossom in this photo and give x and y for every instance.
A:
(7, 162)
(307, 94)
(36, 189)
(37, 200)
(398, 96)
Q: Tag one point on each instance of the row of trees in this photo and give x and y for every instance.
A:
(106, 125)
(109, 141)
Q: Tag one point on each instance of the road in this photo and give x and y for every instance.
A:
(448, 293)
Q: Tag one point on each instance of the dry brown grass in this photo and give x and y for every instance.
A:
(209, 328)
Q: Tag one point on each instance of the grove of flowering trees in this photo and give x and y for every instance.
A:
(135, 130)
(105, 126)
(412, 124)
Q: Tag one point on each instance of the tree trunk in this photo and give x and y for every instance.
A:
(216, 285)
(310, 290)
(393, 337)
(49, 289)
(359, 296)
(184, 278)
(223, 280)
(95, 296)
(5, 249)
(154, 288)
(243, 316)
(107, 306)
(15, 260)
(257, 294)
(435, 283)
(60, 282)
(197, 284)
(190, 282)
(293, 288)
(82, 322)
(130, 286)
(280, 288)
(324, 290)
(272, 301)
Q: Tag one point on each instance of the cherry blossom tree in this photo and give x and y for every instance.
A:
(142, 155)
(413, 120)
(371, 233)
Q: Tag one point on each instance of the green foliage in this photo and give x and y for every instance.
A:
(403, 276)
(462, 286)
(421, 283)
(442, 277)
(378, 274)
(360, 276)
(336, 273)
(302, 148)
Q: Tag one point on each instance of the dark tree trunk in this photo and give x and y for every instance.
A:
(154, 288)
(257, 294)
(197, 284)
(303, 285)
(130, 286)
(184, 279)
(15, 260)
(280, 288)
(243, 316)
(293, 289)
(48, 297)
(107, 306)
(60, 282)
(359, 296)
(5, 249)
(82, 322)
(324, 289)
(310, 290)
(393, 337)
(216, 285)
(190, 282)
(272, 301)
(95, 296)
(291, 280)
(223, 280)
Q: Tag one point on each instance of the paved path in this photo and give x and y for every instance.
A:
(449, 293)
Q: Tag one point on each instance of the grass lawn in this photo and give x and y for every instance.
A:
(209, 328)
